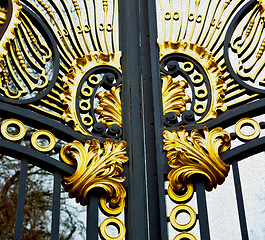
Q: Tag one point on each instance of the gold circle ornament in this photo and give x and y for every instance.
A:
(109, 210)
(199, 108)
(249, 122)
(18, 124)
(45, 134)
(185, 236)
(187, 66)
(179, 209)
(94, 79)
(112, 221)
(181, 198)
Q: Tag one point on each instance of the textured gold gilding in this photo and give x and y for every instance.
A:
(213, 71)
(44, 134)
(112, 221)
(97, 167)
(173, 95)
(185, 235)
(182, 196)
(193, 153)
(182, 208)
(261, 3)
(10, 31)
(249, 122)
(18, 125)
(109, 107)
(74, 77)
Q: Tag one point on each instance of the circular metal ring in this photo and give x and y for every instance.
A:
(185, 236)
(167, 16)
(87, 120)
(179, 209)
(191, 17)
(84, 105)
(18, 124)
(176, 16)
(101, 26)
(187, 66)
(201, 93)
(86, 91)
(94, 79)
(181, 198)
(199, 108)
(46, 134)
(116, 222)
(249, 122)
(109, 27)
(109, 210)
(197, 78)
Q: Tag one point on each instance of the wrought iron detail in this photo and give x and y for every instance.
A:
(193, 154)
(97, 167)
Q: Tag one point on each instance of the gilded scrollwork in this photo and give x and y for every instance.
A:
(96, 167)
(173, 95)
(191, 154)
(109, 107)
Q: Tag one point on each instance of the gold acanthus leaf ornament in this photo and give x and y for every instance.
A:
(109, 107)
(9, 32)
(96, 167)
(173, 95)
(194, 154)
(213, 71)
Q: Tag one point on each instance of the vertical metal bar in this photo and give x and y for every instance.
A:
(92, 218)
(153, 114)
(56, 206)
(21, 199)
(136, 217)
(240, 202)
(202, 210)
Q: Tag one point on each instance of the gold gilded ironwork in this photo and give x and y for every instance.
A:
(183, 208)
(196, 154)
(9, 33)
(185, 236)
(109, 107)
(183, 195)
(44, 134)
(210, 66)
(96, 167)
(73, 78)
(173, 95)
(3, 14)
(112, 221)
(19, 126)
(247, 122)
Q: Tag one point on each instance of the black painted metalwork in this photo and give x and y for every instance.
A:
(143, 126)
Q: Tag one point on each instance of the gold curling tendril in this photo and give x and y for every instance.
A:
(173, 95)
(196, 154)
(109, 107)
(97, 167)
(213, 71)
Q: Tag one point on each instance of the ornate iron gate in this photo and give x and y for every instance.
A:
(155, 92)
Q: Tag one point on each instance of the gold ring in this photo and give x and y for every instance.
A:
(184, 236)
(117, 223)
(250, 122)
(18, 124)
(179, 209)
(46, 134)
(181, 198)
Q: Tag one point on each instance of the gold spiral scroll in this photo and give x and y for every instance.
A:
(97, 167)
(191, 154)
